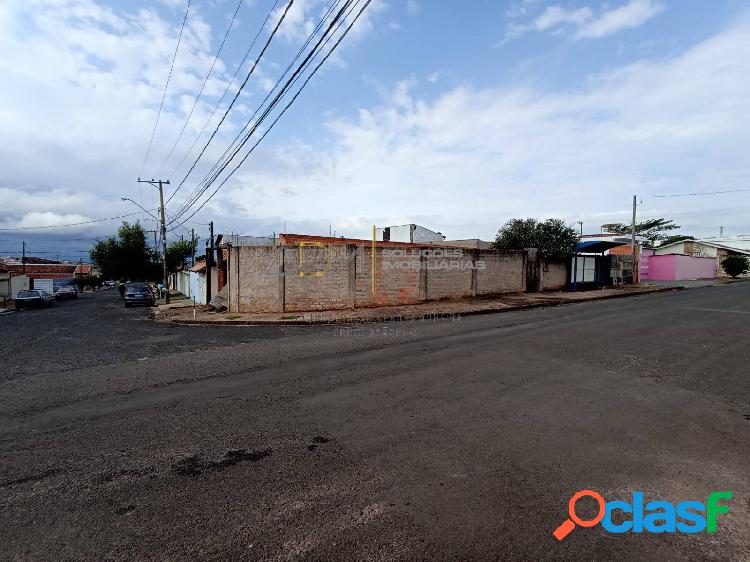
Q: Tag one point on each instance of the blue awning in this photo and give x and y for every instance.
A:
(596, 246)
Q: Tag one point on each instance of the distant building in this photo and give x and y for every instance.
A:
(39, 268)
(717, 248)
(223, 240)
(409, 233)
(468, 243)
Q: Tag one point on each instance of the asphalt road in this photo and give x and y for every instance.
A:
(462, 439)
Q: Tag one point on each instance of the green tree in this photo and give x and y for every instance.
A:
(675, 238)
(735, 265)
(178, 252)
(554, 239)
(653, 230)
(126, 256)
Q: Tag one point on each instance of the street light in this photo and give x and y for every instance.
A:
(141, 208)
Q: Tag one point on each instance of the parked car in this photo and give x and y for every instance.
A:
(138, 294)
(66, 292)
(33, 299)
(48, 296)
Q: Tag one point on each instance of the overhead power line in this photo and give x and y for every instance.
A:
(203, 86)
(237, 95)
(70, 224)
(296, 95)
(166, 86)
(204, 184)
(701, 193)
(186, 203)
(223, 95)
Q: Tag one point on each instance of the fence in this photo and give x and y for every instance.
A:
(317, 276)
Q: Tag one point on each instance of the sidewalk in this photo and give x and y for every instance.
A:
(183, 312)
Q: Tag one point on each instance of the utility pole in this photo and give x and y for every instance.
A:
(192, 246)
(23, 258)
(632, 243)
(632, 229)
(581, 225)
(159, 184)
(209, 260)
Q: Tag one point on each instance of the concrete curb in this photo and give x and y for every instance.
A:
(407, 317)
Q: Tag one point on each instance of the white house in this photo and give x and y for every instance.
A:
(717, 248)
(408, 233)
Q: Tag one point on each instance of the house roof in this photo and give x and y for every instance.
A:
(739, 245)
(198, 267)
(596, 246)
(290, 239)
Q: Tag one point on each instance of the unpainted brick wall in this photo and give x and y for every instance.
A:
(554, 276)
(317, 277)
(504, 272)
(397, 276)
(339, 276)
(254, 279)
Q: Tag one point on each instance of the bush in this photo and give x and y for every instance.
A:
(735, 265)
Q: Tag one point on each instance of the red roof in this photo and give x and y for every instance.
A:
(42, 270)
(291, 239)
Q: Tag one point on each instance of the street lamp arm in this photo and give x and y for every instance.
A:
(141, 208)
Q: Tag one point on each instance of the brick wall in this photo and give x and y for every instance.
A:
(554, 276)
(256, 279)
(397, 280)
(317, 276)
(504, 272)
(449, 273)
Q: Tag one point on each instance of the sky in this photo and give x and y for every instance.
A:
(454, 116)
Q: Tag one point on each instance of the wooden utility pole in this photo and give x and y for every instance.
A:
(159, 184)
(632, 229)
(209, 260)
(23, 258)
(632, 242)
(192, 246)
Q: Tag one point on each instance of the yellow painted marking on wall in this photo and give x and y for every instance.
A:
(373, 259)
(319, 273)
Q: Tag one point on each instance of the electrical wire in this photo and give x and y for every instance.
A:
(203, 86)
(296, 95)
(166, 85)
(71, 224)
(268, 95)
(237, 95)
(206, 183)
(701, 193)
(221, 99)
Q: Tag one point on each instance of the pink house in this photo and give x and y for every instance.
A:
(677, 267)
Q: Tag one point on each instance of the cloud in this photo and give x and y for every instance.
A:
(554, 16)
(304, 15)
(434, 77)
(632, 14)
(583, 22)
(412, 7)
(86, 84)
(472, 158)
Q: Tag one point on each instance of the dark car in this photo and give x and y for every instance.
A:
(33, 299)
(138, 295)
(66, 292)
